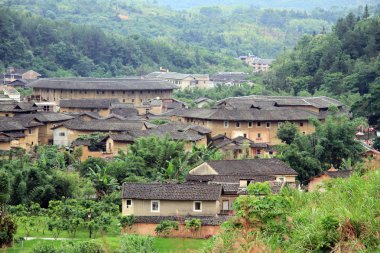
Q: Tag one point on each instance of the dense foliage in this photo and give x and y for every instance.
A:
(232, 31)
(344, 64)
(60, 49)
(343, 218)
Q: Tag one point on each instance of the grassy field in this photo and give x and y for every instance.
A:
(110, 241)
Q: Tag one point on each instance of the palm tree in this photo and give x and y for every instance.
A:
(103, 183)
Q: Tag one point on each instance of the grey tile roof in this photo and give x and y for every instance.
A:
(45, 117)
(284, 114)
(251, 167)
(88, 103)
(339, 173)
(229, 77)
(270, 102)
(121, 84)
(18, 107)
(103, 125)
(206, 220)
(155, 191)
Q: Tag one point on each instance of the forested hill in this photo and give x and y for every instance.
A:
(293, 4)
(61, 49)
(344, 63)
(230, 30)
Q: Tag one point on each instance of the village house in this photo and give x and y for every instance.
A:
(229, 78)
(152, 203)
(183, 81)
(208, 194)
(9, 93)
(100, 106)
(67, 132)
(240, 147)
(158, 106)
(126, 90)
(48, 120)
(258, 117)
(12, 74)
(189, 134)
(19, 133)
(11, 108)
(258, 64)
(203, 102)
(316, 182)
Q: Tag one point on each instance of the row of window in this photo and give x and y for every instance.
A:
(155, 205)
(258, 124)
(103, 92)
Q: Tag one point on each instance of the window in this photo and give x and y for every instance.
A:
(147, 110)
(123, 100)
(238, 124)
(124, 92)
(245, 135)
(6, 115)
(30, 131)
(62, 134)
(225, 124)
(113, 92)
(197, 206)
(250, 124)
(133, 92)
(259, 135)
(301, 124)
(103, 92)
(259, 124)
(141, 100)
(129, 203)
(85, 92)
(243, 183)
(281, 179)
(140, 92)
(226, 205)
(268, 124)
(258, 152)
(155, 206)
(97, 92)
(133, 100)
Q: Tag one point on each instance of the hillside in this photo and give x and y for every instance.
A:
(343, 64)
(54, 48)
(230, 30)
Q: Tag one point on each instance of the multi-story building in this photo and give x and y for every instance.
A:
(183, 81)
(126, 90)
(258, 117)
(258, 64)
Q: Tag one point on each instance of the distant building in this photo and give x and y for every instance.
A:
(12, 108)
(126, 90)
(13, 74)
(229, 78)
(317, 181)
(9, 93)
(158, 106)
(183, 81)
(203, 102)
(100, 106)
(258, 64)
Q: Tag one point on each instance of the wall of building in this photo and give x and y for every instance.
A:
(170, 208)
(267, 134)
(114, 146)
(5, 145)
(134, 97)
(317, 181)
(148, 229)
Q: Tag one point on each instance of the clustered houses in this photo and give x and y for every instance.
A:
(208, 194)
(127, 90)
(100, 106)
(18, 77)
(229, 78)
(183, 81)
(258, 64)
(258, 117)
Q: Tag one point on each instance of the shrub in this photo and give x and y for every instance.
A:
(137, 243)
(165, 227)
(127, 221)
(193, 225)
(7, 230)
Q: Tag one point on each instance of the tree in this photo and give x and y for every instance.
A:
(376, 143)
(5, 189)
(287, 132)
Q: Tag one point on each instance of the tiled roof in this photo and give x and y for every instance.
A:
(206, 220)
(45, 117)
(103, 125)
(339, 173)
(229, 77)
(155, 191)
(101, 84)
(88, 103)
(284, 114)
(17, 107)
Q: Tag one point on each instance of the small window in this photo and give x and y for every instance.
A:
(259, 135)
(133, 92)
(238, 124)
(243, 183)
(304, 133)
(259, 124)
(245, 135)
(133, 100)
(140, 92)
(103, 92)
(6, 115)
(155, 206)
(226, 205)
(141, 100)
(250, 124)
(123, 100)
(197, 206)
(85, 92)
(129, 203)
(268, 124)
(30, 131)
(61, 134)
(97, 92)
(301, 124)
(113, 92)
(281, 179)
(258, 152)
(147, 110)
(225, 124)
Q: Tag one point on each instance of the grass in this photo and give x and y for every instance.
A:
(111, 241)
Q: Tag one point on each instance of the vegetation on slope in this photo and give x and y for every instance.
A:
(342, 218)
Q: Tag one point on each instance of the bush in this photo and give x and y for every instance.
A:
(193, 225)
(165, 227)
(7, 230)
(127, 221)
(80, 247)
(137, 243)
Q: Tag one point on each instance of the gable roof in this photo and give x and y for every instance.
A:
(120, 84)
(339, 173)
(102, 125)
(154, 191)
(88, 103)
(45, 117)
(18, 107)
